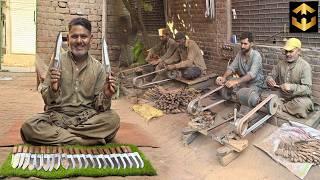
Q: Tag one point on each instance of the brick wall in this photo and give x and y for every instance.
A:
(54, 15)
(210, 34)
(272, 54)
(267, 18)
(155, 19)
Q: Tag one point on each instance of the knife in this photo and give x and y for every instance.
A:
(23, 155)
(105, 56)
(107, 156)
(64, 159)
(135, 154)
(27, 160)
(53, 157)
(125, 154)
(101, 156)
(83, 155)
(16, 156)
(121, 155)
(115, 156)
(71, 159)
(33, 158)
(46, 158)
(57, 51)
(90, 156)
(77, 157)
(40, 157)
(37, 157)
(96, 157)
(58, 158)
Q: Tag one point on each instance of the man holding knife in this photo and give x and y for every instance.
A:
(293, 76)
(78, 97)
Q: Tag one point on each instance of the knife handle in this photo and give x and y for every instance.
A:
(113, 150)
(25, 149)
(124, 149)
(15, 149)
(42, 149)
(129, 149)
(83, 151)
(54, 149)
(106, 151)
(65, 150)
(118, 149)
(36, 149)
(95, 151)
(60, 150)
(100, 150)
(20, 148)
(89, 151)
(76, 151)
(31, 149)
(48, 149)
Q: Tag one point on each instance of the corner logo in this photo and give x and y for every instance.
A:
(304, 16)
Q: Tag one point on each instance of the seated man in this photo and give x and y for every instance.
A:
(247, 64)
(294, 78)
(77, 96)
(187, 58)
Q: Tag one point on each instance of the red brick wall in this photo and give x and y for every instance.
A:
(54, 15)
(266, 18)
(210, 34)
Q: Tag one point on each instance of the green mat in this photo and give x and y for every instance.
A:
(7, 170)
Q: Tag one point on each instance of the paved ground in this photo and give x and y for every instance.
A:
(19, 100)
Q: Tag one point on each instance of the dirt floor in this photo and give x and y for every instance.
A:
(19, 99)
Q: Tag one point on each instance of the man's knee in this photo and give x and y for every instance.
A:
(111, 118)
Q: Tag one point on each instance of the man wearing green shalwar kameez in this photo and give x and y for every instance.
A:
(78, 97)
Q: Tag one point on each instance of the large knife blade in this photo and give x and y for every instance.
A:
(135, 155)
(105, 56)
(83, 157)
(107, 156)
(16, 156)
(57, 51)
(27, 158)
(78, 158)
(64, 158)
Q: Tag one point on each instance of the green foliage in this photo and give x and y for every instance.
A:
(7, 171)
(138, 55)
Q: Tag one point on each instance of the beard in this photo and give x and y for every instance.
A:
(244, 51)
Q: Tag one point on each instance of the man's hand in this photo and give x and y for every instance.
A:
(220, 80)
(171, 67)
(232, 83)
(110, 86)
(271, 82)
(55, 76)
(285, 88)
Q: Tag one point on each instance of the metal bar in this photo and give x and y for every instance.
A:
(212, 105)
(257, 124)
(156, 82)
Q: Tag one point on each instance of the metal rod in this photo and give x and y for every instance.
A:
(257, 124)
(212, 105)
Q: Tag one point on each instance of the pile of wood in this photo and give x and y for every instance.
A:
(307, 151)
(203, 120)
(171, 101)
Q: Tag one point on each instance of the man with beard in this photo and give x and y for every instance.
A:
(188, 58)
(247, 65)
(294, 78)
(78, 97)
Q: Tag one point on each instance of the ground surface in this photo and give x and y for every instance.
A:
(19, 100)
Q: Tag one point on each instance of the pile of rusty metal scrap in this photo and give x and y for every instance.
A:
(171, 101)
(203, 120)
(306, 151)
(52, 157)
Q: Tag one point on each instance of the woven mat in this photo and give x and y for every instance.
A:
(7, 171)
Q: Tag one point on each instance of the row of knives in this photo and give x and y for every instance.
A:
(52, 157)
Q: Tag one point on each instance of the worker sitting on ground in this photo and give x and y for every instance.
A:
(78, 96)
(188, 58)
(294, 78)
(247, 64)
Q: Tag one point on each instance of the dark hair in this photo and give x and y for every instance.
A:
(179, 35)
(80, 21)
(246, 35)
